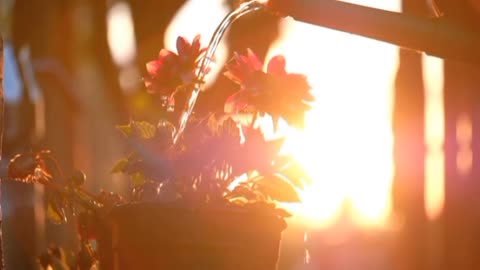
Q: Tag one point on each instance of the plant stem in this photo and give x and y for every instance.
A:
(254, 119)
(57, 167)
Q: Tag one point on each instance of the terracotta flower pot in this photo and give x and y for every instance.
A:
(158, 236)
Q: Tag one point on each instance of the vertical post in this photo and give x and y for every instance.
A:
(462, 218)
(1, 137)
(409, 153)
(462, 155)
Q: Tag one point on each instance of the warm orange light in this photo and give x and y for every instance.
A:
(347, 143)
(434, 136)
(346, 146)
(121, 36)
(464, 141)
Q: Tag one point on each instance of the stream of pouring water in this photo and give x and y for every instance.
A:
(206, 60)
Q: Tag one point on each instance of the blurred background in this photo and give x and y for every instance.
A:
(391, 143)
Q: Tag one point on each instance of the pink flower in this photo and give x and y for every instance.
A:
(171, 70)
(275, 92)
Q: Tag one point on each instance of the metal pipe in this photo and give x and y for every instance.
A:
(435, 37)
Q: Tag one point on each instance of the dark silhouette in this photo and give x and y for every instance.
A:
(409, 153)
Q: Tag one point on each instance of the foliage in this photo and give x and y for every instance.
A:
(56, 258)
(219, 159)
(214, 152)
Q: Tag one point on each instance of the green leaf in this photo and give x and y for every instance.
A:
(127, 130)
(144, 130)
(77, 178)
(139, 129)
(277, 188)
(242, 191)
(82, 195)
(120, 166)
(282, 161)
(56, 214)
(282, 212)
(294, 172)
(294, 180)
(296, 177)
(239, 201)
(137, 179)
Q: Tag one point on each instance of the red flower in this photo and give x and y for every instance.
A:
(276, 92)
(171, 70)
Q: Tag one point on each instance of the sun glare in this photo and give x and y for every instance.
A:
(434, 137)
(346, 145)
(121, 36)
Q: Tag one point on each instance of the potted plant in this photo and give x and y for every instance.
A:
(200, 199)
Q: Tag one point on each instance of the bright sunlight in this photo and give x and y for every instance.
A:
(346, 146)
(347, 143)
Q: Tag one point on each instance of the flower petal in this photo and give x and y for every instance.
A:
(150, 85)
(152, 67)
(237, 69)
(277, 65)
(183, 46)
(195, 48)
(236, 102)
(233, 76)
(253, 60)
(164, 53)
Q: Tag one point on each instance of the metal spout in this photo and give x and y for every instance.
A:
(436, 37)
